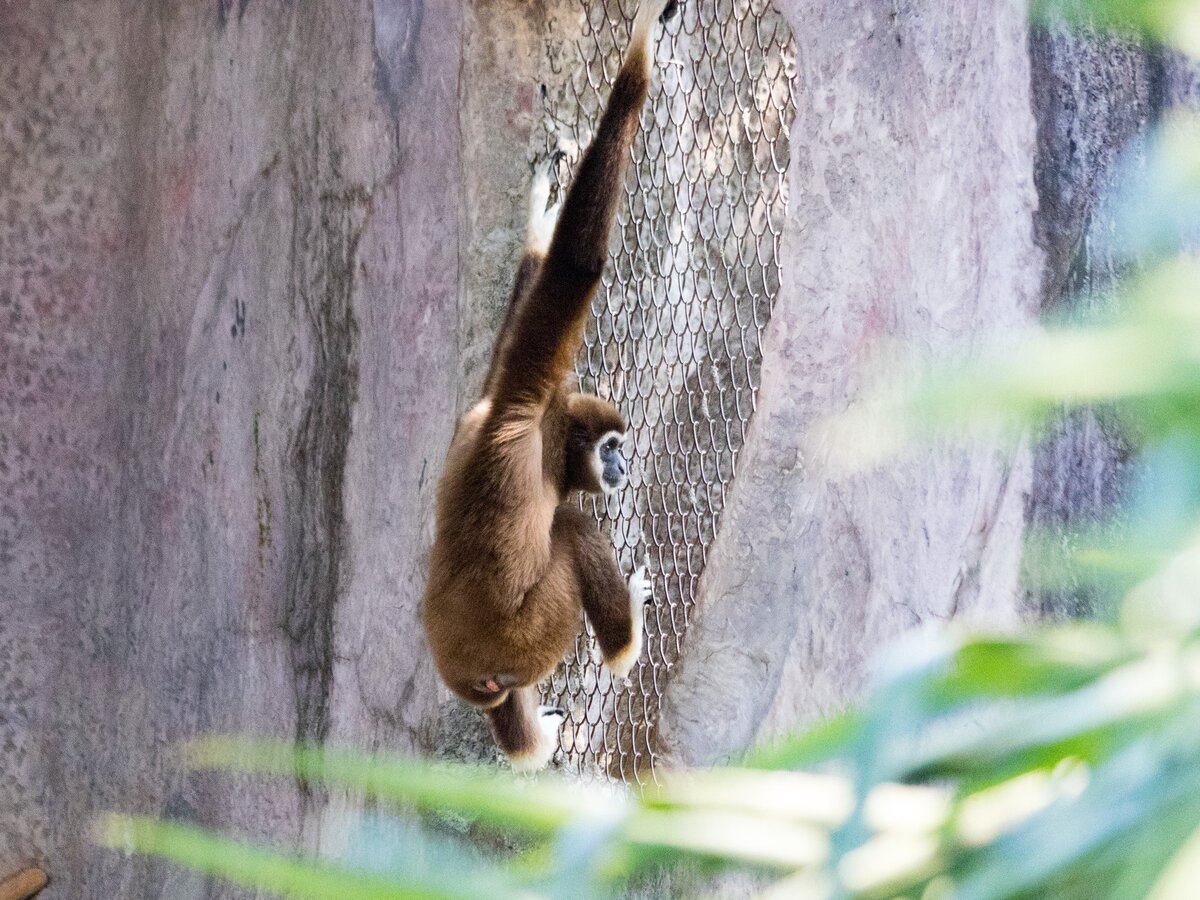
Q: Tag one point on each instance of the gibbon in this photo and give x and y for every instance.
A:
(513, 562)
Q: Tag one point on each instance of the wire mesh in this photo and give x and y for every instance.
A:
(678, 320)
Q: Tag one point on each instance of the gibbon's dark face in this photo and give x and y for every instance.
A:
(595, 446)
(610, 464)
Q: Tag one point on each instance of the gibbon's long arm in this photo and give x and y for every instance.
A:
(527, 268)
(538, 232)
(546, 328)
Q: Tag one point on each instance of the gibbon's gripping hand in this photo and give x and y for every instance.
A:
(641, 595)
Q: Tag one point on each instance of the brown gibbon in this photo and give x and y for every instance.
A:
(514, 559)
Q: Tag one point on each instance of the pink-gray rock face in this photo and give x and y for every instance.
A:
(252, 253)
(228, 284)
(911, 211)
(1096, 99)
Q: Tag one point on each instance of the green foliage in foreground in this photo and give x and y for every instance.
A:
(1062, 764)
(1175, 23)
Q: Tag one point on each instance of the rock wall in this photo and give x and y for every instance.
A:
(229, 284)
(895, 235)
(912, 202)
(1096, 99)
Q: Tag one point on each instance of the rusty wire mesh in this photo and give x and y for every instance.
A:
(675, 341)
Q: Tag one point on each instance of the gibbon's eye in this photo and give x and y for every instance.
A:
(612, 444)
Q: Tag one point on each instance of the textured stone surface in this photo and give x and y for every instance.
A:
(911, 219)
(229, 282)
(504, 60)
(896, 236)
(1096, 98)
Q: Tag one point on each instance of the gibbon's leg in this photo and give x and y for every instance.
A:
(547, 326)
(23, 884)
(538, 231)
(615, 608)
(526, 732)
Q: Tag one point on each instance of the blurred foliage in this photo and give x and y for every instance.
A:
(1175, 23)
(1064, 763)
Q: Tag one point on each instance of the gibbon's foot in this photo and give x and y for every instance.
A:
(640, 596)
(549, 721)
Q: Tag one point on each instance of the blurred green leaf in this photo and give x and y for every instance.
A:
(1178, 878)
(827, 739)
(1174, 22)
(725, 834)
(1157, 206)
(1057, 661)
(1144, 362)
(792, 797)
(540, 806)
(1087, 723)
(1139, 788)
(282, 874)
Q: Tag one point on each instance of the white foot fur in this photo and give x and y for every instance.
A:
(549, 721)
(641, 591)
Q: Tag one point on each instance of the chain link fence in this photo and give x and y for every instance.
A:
(675, 341)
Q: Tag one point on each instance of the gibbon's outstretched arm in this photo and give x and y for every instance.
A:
(538, 231)
(547, 323)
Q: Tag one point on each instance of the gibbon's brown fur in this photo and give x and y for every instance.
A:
(23, 884)
(513, 564)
